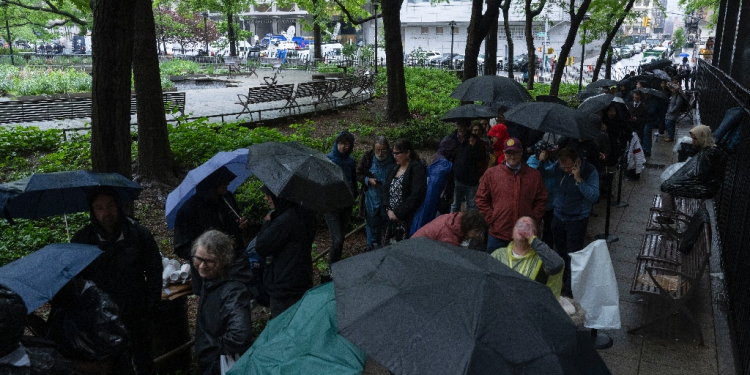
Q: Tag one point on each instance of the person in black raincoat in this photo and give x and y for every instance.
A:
(14, 357)
(406, 187)
(286, 239)
(130, 253)
(616, 119)
(340, 219)
(212, 207)
(223, 325)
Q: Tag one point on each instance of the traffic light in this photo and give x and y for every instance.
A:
(646, 21)
(539, 49)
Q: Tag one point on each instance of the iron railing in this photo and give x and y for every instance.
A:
(718, 93)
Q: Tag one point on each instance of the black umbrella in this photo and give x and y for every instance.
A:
(595, 103)
(662, 75)
(585, 94)
(601, 83)
(653, 92)
(550, 99)
(426, 307)
(490, 89)
(658, 64)
(300, 174)
(553, 118)
(469, 112)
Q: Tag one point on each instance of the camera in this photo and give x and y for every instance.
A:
(543, 146)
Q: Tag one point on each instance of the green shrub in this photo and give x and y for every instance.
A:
(176, 67)
(568, 92)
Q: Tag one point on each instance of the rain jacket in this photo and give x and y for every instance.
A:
(636, 159)
(286, 242)
(445, 228)
(223, 324)
(471, 161)
(413, 191)
(346, 163)
(572, 200)
(370, 167)
(549, 182)
(674, 107)
(500, 131)
(503, 197)
(541, 264)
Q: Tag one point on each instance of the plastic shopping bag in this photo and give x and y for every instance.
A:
(595, 287)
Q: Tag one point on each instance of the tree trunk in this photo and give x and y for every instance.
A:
(155, 159)
(490, 51)
(575, 22)
(479, 26)
(318, 40)
(112, 55)
(508, 38)
(531, 67)
(231, 35)
(398, 106)
(608, 41)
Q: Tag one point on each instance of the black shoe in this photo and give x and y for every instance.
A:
(647, 154)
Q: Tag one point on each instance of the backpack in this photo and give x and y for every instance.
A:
(258, 265)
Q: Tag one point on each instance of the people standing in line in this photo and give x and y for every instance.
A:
(372, 171)
(673, 110)
(212, 207)
(339, 220)
(650, 123)
(549, 184)
(638, 114)
(465, 228)
(223, 325)
(286, 240)
(479, 129)
(576, 190)
(406, 187)
(507, 192)
(498, 135)
(129, 269)
(618, 130)
(468, 166)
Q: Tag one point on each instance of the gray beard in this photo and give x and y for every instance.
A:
(380, 158)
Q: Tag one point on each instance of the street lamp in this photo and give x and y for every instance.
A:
(586, 17)
(375, 4)
(205, 30)
(4, 4)
(452, 24)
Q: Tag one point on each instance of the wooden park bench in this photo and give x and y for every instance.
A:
(264, 94)
(233, 65)
(665, 273)
(667, 209)
(252, 65)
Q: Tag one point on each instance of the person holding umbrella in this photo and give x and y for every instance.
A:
(287, 235)
(406, 187)
(223, 325)
(673, 110)
(130, 253)
(339, 219)
(468, 166)
(372, 171)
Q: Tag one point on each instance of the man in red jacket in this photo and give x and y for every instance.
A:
(508, 191)
(465, 228)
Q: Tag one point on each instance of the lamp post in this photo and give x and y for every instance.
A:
(452, 24)
(586, 17)
(205, 30)
(4, 4)
(375, 10)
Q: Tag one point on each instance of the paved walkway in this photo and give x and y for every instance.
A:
(670, 347)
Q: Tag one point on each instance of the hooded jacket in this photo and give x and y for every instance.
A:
(346, 162)
(286, 241)
(573, 201)
(445, 228)
(500, 131)
(223, 324)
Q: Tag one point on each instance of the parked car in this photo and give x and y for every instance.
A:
(627, 51)
(458, 62)
(444, 61)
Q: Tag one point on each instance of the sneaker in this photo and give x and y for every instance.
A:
(668, 139)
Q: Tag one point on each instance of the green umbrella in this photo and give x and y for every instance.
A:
(303, 340)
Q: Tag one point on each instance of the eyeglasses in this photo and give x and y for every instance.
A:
(396, 153)
(383, 151)
(198, 260)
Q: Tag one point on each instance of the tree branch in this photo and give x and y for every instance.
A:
(349, 15)
(52, 10)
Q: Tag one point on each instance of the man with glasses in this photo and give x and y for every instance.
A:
(372, 170)
(507, 192)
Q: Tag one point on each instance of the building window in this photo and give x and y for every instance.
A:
(425, 30)
(439, 30)
(518, 32)
(456, 29)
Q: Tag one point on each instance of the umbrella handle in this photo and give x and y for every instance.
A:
(231, 208)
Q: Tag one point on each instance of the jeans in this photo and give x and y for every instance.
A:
(463, 191)
(569, 237)
(338, 223)
(494, 243)
(670, 128)
(376, 222)
(648, 136)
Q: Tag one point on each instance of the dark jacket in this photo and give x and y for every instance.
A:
(587, 150)
(573, 201)
(638, 117)
(471, 161)
(414, 189)
(119, 271)
(288, 239)
(199, 215)
(364, 173)
(223, 324)
(674, 107)
(347, 165)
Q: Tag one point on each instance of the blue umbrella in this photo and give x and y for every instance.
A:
(684, 55)
(234, 161)
(303, 340)
(39, 276)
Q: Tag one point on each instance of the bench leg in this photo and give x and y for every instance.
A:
(653, 322)
(693, 321)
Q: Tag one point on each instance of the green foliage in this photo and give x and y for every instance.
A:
(35, 81)
(568, 92)
(23, 140)
(349, 50)
(27, 236)
(74, 154)
(177, 67)
(678, 39)
(419, 132)
(428, 90)
(712, 6)
(418, 56)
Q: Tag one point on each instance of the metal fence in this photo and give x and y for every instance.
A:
(717, 93)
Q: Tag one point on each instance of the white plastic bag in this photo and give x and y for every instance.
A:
(677, 145)
(595, 287)
(672, 169)
(227, 362)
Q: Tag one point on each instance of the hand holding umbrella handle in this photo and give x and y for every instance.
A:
(231, 208)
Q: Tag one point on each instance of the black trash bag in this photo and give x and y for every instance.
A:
(700, 177)
(87, 325)
(693, 231)
(43, 361)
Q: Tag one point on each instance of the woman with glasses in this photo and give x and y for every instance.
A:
(223, 325)
(372, 171)
(406, 187)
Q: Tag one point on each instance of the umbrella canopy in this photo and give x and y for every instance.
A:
(684, 54)
(48, 194)
(601, 83)
(553, 118)
(596, 103)
(585, 94)
(550, 99)
(234, 161)
(300, 174)
(490, 89)
(426, 307)
(469, 112)
(658, 64)
(303, 340)
(662, 75)
(653, 92)
(38, 276)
